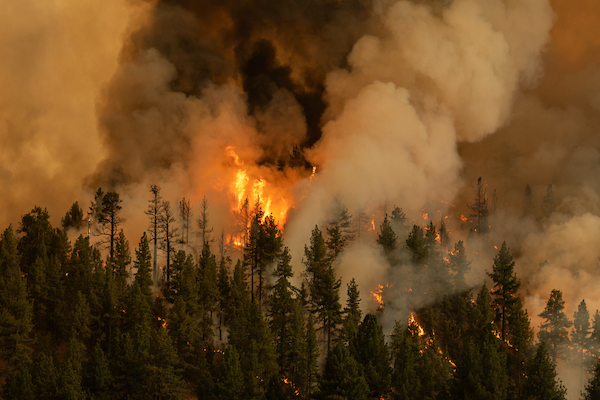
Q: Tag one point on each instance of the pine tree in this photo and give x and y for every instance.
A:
(185, 212)
(369, 349)
(202, 223)
(153, 212)
(342, 377)
(387, 238)
(417, 246)
(73, 218)
(208, 290)
(18, 384)
(480, 208)
(506, 285)
(592, 389)
(282, 307)
(541, 380)
(553, 331)
(109, 219)
(167, 234)
(121, 264)
(16, 310)
(44, 377)
(459, 266)
(229, 376)
(352, 313)
(580, 336)
(143, 266)
(96, 376)
(339, 232)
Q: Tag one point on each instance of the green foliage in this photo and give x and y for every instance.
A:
(352, 313)
(592, 389)
(229, 377)
(553, 331)
(16, 310)
(541, 383)
(342, 377)
(369, 349)
(74, 218)
(506, 285)
(387, 238)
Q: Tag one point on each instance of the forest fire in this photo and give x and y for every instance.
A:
(247, 191)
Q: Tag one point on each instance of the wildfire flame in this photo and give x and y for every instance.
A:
(378, 295)
(413, 321)
(247, 184)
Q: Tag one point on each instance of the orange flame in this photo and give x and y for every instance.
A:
(378, 295)
(463, 218)
(413, 321)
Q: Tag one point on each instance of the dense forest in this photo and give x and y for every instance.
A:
(96, 319)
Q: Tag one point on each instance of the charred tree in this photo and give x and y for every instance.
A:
(154, 211)
(479, 208)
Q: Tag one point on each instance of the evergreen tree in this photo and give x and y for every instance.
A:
(167, 234)
(18, 385)
(352, 313)
(154, 211)
(594, 339)
(208, 290)
(223, 296)
(479, 208)
(282, 307)
(229, 376)
(165, 379)
(342, 377)
(202, 223)
(339, 232)
(15, 307)
(185, 212)
(308, 368)
(109, 219)
(143, 266)
(387, 238)
(369, 349)
(121, 264)
(580, 336)
(96, 376)
(541, 380)
(417, 246)
(592, 389)
(73, 218)
(553, 331)
(459, 266)
(44, 377)
(506, 285)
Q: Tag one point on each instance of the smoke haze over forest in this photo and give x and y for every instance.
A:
(400, 103)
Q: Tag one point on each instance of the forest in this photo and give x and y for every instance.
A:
(103, 319)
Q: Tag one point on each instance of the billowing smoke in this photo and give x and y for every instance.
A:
(400, 103)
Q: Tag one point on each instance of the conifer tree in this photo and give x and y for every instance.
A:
(592, 389)
(542, 383)
(369, 349)
(459, 266)
(167, 234)
(96, 376)
(143, 266)
(44, 377)
(387, 239)
(282, 307)
(479, 208)
(202, 223)
(553, 331)
(15, 307)
(73, 218)
(506, 285)
(342, 377)
(580, 336)
(352, 313)
(154, 211)
(229, 376)
(339, 232)
(417, 246)
(108, 214)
